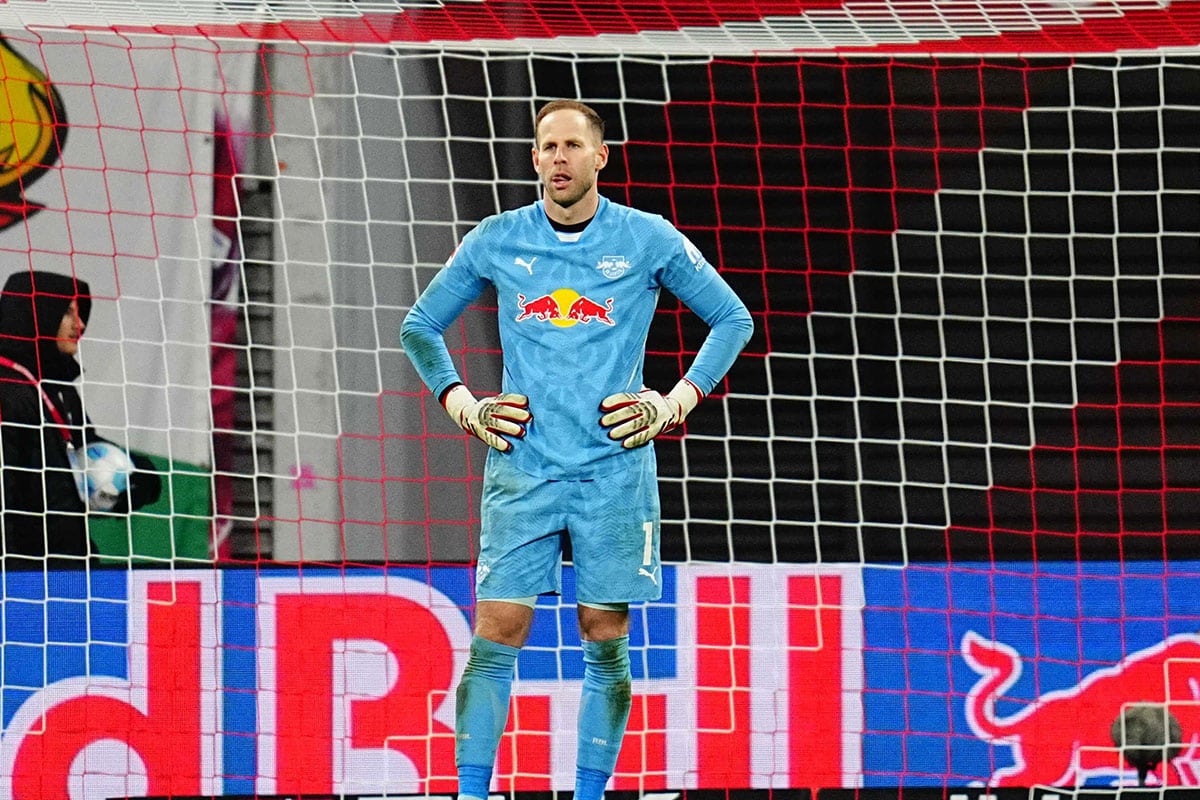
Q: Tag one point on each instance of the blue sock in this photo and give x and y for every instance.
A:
(589, 783)
(603, 714)
(470, 779)
(481, 712)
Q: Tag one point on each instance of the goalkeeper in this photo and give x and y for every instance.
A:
(577, 279)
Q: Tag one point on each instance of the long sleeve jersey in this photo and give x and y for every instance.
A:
(573, 320)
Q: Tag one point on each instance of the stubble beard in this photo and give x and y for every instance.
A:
(565, 198)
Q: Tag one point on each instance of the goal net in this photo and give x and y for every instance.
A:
(937, 527)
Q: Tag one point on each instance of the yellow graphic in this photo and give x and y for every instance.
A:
(565, 299)
(33, 127)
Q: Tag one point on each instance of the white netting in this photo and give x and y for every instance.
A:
(965, 424)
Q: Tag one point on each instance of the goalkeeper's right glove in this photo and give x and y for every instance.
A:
(489, 419)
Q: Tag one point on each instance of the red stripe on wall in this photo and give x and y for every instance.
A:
(723, 682)
(815, 681)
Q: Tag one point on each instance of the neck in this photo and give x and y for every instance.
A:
(584, 210)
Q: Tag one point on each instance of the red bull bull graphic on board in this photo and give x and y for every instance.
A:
(565, 308)
(1011, 674)
(1063, 738)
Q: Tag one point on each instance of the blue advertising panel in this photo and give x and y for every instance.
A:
(326, 680)
(1012, 674)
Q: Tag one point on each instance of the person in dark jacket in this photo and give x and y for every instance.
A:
(42, 316)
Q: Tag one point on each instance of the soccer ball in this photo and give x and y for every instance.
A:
(106, 474)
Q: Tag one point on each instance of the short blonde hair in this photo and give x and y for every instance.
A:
(595, 121)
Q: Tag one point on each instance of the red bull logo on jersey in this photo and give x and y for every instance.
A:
(565, 308)
(1064, 736)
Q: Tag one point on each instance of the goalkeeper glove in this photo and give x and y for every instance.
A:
(488, 419)
(634, 418)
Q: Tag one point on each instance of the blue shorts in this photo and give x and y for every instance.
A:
(613, 522)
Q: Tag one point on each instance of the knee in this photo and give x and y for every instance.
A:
(599, 625)
(503, 622)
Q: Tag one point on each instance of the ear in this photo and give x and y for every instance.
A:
(601, 157)
(533, 151)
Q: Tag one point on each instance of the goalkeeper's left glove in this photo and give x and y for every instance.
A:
(635, 418)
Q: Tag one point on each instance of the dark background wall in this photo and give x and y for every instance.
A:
(975, 289)
(974, 284)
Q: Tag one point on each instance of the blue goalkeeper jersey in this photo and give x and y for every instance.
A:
(573, 319)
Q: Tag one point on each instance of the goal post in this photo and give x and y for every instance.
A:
(934, 530)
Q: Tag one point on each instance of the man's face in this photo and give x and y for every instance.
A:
(567, 157)
(69, 330)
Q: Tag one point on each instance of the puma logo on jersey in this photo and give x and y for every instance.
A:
(644, 572)
(528, 265)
